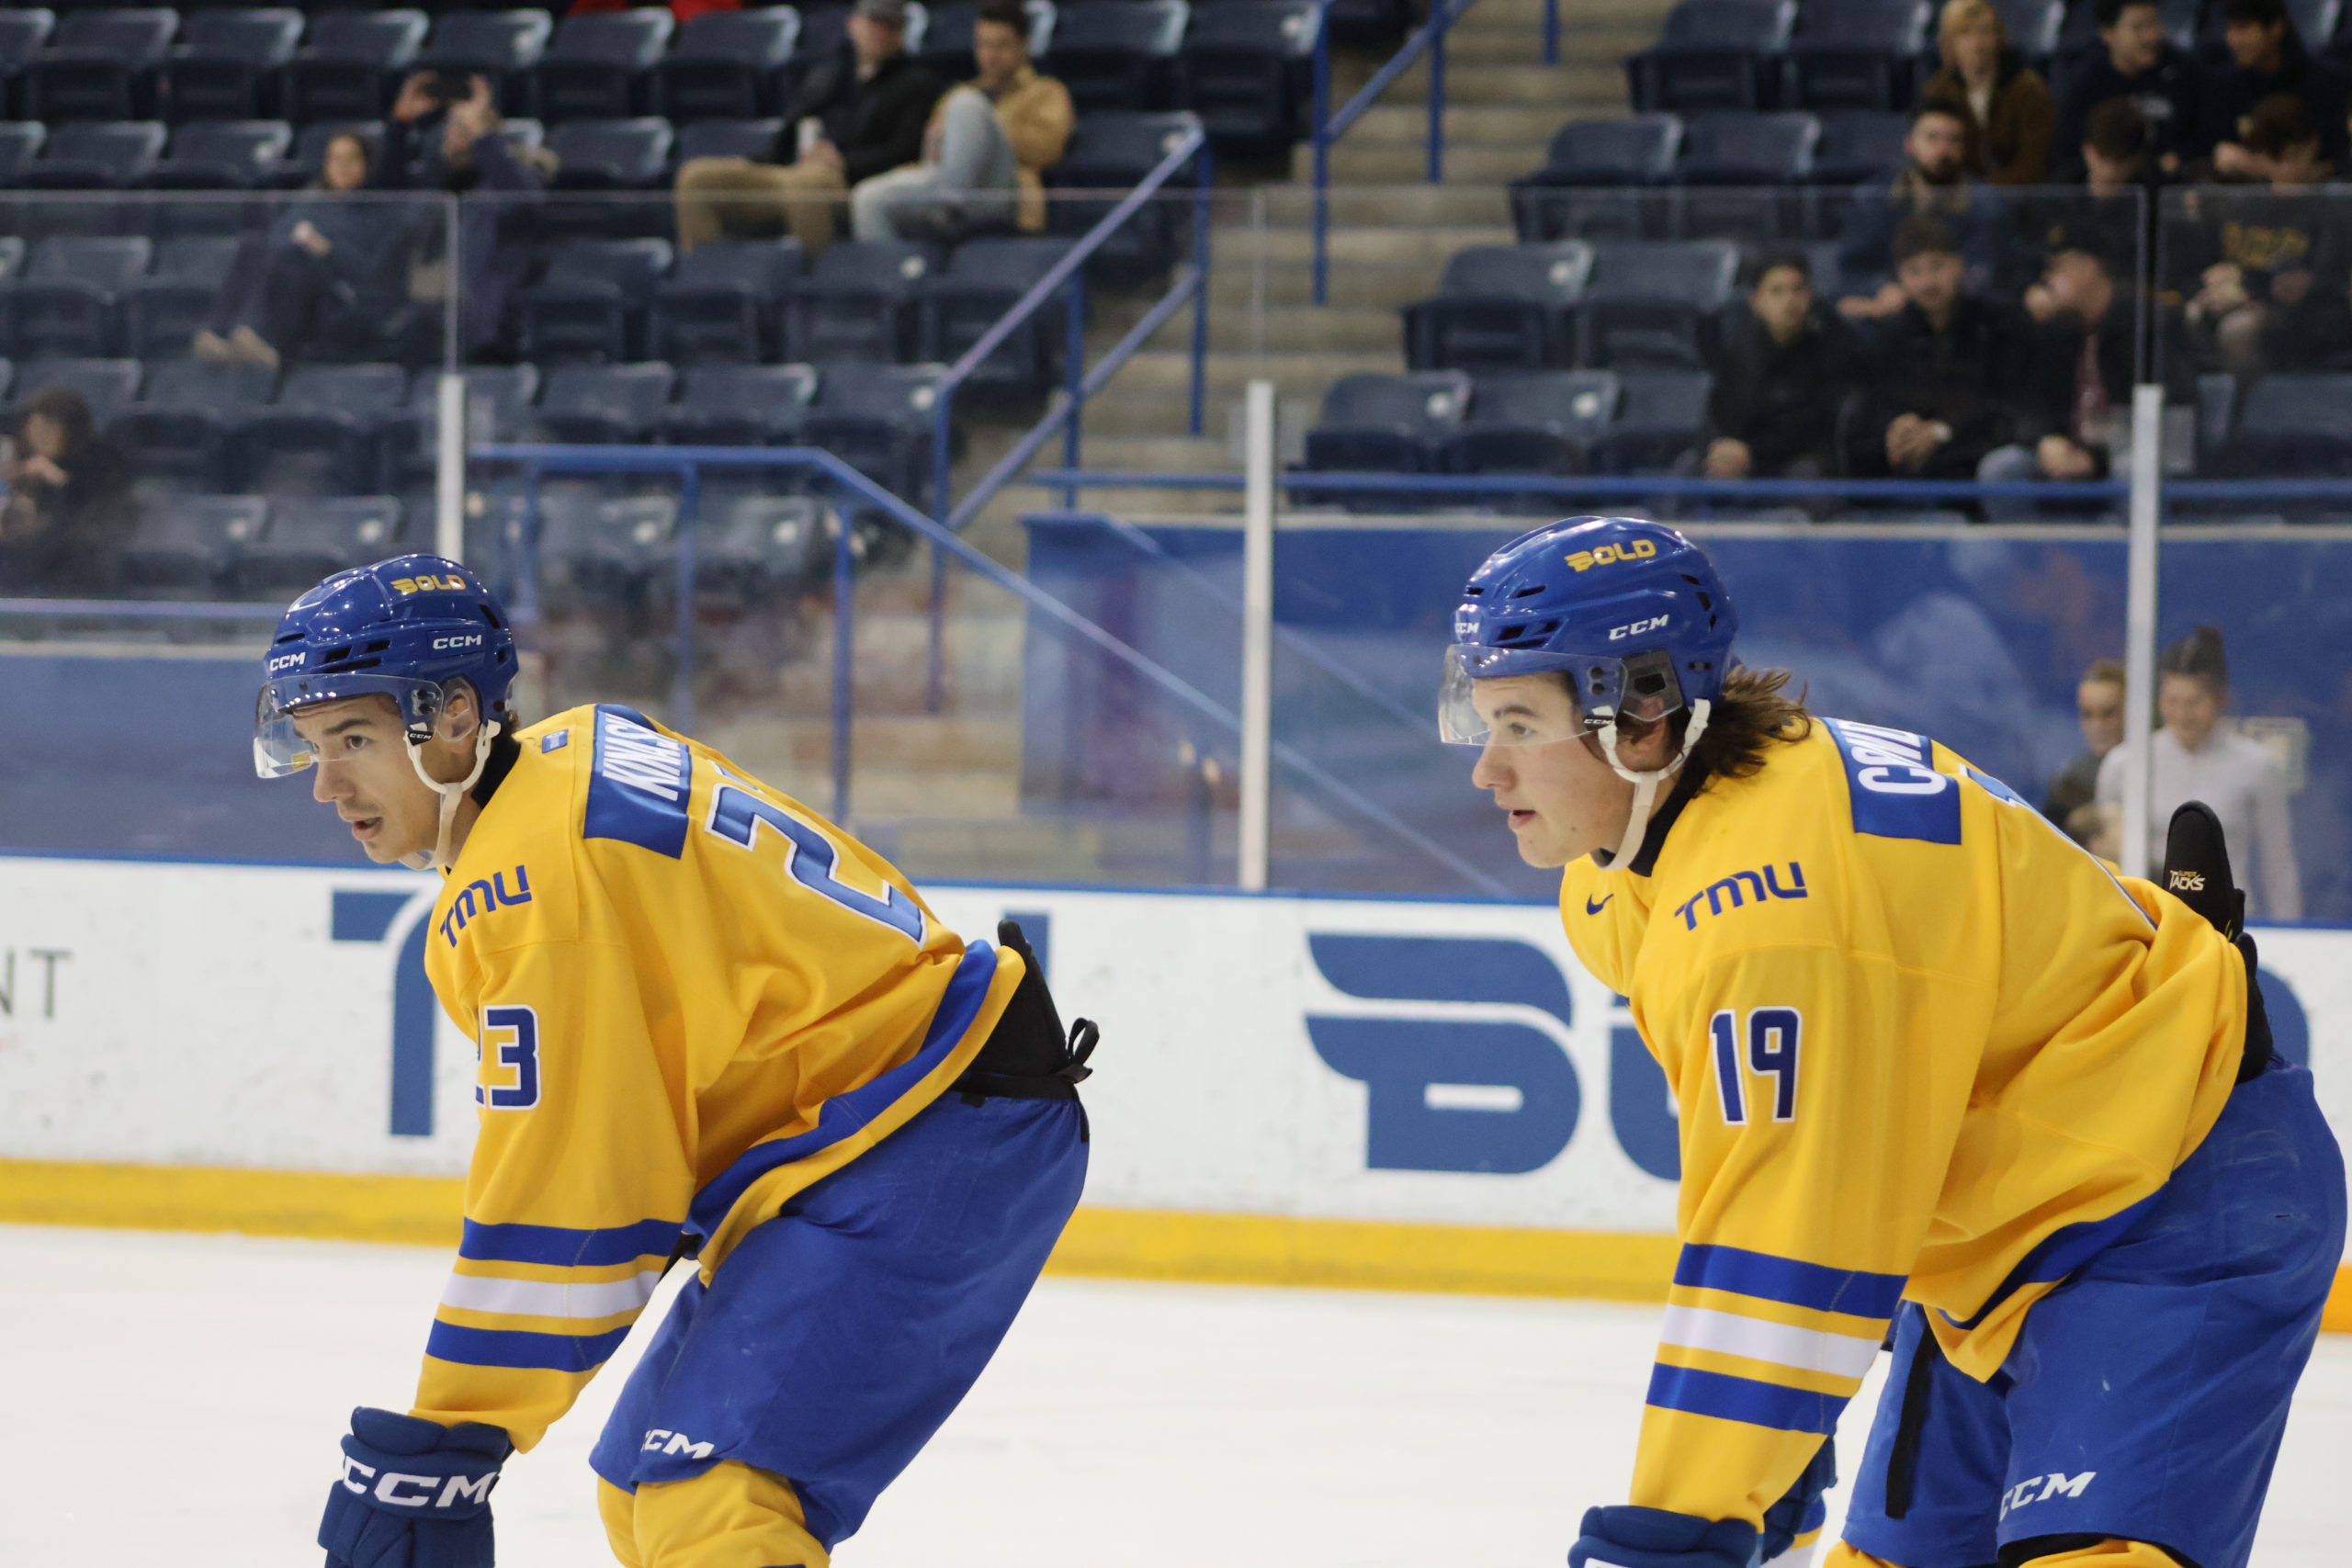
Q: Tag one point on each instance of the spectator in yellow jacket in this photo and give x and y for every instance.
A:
(986, 149)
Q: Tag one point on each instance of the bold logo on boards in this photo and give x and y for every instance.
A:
(1739, 888)
(1609, 555)
(448, 583)
(494, 897)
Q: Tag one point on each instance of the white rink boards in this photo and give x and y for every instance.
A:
(188, 1392)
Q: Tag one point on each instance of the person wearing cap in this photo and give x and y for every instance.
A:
(871, 103)
(2195, 756)
(986, 150)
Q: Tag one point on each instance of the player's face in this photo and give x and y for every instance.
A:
(361, 768)
(1563, 799)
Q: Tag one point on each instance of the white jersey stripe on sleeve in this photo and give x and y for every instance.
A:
(1808, 1349)
(542, 1298)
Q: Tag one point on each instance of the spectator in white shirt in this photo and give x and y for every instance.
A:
(2196, 756)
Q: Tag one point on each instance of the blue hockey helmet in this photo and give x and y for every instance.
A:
(404, 628)
(1631, 613)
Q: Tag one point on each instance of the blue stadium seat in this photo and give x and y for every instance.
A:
(1247, 69)
(2291, 426)
(67, 303)
(352, 65)
(12, 255)
(727, 65)
(161, 313)
(1726, 157)
(498, 408)
(1856, 54)
(109, 386)
(740, 405)
(983, 281)
(879, 420)
(222, 155)
(226, 64)
(1501, 307)
(599, 66)
(611, 155)
(724, 302)
(185, 546)
(7, 377)
(591, 304)
(1543, 422)
(857, 303)
(1714, 54)
(24, 31)
(311, 537)
(605, 404)
(726, 138)
(1654, 304)
(948, 37)
(503, 46)
(1660, 415)
(1595, 177)
(1112, 153)
(20, 144)
(754, 544)
(1856, 145)
(178, 433)
(98, 154)
(1375, 424)
(597, 550)
(1377, 24)
(1119, 56)
(325, 436)
(99, 64)
(2034, 26)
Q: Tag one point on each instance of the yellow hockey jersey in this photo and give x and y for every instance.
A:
(692, 997)
(1922, 1046)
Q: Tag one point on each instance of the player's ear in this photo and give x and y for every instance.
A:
(460, 712)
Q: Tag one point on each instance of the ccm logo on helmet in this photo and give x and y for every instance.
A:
(283, 660)
(441, 642)
(451, 582)
(1605, 555)
(1638, 628)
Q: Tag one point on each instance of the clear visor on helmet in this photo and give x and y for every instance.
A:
(1483, 701)
(278, 751)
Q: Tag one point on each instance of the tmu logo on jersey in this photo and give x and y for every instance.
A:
(1892, 784)
(494, 897)
(1742, 887)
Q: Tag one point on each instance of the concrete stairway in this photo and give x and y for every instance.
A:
(1391, 234)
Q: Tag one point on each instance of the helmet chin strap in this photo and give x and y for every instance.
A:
(1645, 784)
(450, 793)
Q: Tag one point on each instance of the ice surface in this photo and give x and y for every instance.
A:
(174, 1398)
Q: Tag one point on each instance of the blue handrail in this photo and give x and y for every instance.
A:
(1473, 485)
(1328, 126)
(536, 459)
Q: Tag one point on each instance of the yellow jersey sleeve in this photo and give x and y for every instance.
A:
(575, 1197)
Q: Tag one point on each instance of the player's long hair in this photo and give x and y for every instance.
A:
(1753, 713)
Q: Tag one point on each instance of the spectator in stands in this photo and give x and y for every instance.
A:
(2267, 58)
(2194, 757)
(328, 267)
(871, 103)
(473, 159)
(2259, 304)
(1938, 379)
(2098, 706)
(2011, 114)
(1784, 371)
(69, 504)
(2119, 155)
(2107, 216)
(2138, 64)
(1932, 180)
(986, 150)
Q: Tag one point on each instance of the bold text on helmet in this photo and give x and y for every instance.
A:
(1603, 555)
(448, 583)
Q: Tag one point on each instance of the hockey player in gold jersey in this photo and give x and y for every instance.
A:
(711, 1025)
(1936, 1070)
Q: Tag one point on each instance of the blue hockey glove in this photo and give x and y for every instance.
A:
(413, 1493)
(1652, 1537)
(1800, 1509)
